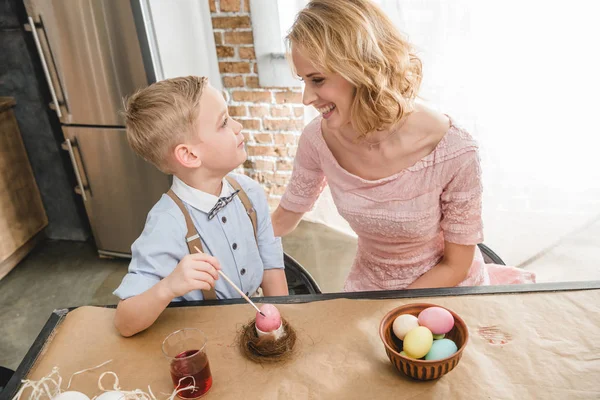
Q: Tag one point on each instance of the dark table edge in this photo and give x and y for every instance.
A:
(31, 357)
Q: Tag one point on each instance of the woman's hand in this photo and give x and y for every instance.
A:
(452, 270)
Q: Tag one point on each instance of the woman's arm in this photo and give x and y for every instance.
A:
(451, 270)
(285, 221)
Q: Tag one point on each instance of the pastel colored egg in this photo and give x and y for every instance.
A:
(405, 354)
(403, 324)
(272, 319)
(437, 319)
(71, 395)
(418, 342)
(440, 349)
(438, 337)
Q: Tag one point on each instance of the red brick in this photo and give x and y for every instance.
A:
(299, 111)
(262, 177)
(260, 165)
(256, 97)
(285, 165)
(282, 138)
(238, 111)
(281, 179)
(230, 5)
(288, 97)
(263, 138)
(252, 82)
(247, 5)
(280, 112)
(247, 53)
(225, 51)
(239, 38)
(233, 81)
(213, 6)
(261, 151)
(256, 68)
(283, 125)
(230, 22)
(239, 67)
(218, 38)
(247, 136)
(259, 111)
(250, 124)
(291, 151)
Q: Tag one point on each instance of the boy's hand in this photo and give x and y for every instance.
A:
(194, 271)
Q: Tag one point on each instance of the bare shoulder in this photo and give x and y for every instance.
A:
(429, 125)
(429, 121)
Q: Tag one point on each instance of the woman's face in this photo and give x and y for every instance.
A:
(330, 94)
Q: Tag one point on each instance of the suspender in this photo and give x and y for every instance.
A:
(193, 238)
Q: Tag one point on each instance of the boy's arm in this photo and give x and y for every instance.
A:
(161, 269)
(139, 312)
(194, 272)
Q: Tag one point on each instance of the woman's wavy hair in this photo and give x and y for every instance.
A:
(356, 40)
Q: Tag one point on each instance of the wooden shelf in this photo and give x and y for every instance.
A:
(22, 214)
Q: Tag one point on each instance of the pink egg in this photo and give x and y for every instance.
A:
(271, 321)
(437, 319)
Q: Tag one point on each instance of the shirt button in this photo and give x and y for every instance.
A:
(224, 219)
(243, 271)
(234, 246)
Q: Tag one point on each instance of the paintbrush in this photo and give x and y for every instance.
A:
(236, 288)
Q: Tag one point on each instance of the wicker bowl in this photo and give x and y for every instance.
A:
(421, 369)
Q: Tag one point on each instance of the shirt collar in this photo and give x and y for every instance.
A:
(197, 198)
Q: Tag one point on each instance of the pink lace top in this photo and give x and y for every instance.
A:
(402, 220)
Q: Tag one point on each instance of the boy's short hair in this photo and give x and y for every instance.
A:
(161, 116)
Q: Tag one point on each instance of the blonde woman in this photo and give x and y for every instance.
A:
(406, 178)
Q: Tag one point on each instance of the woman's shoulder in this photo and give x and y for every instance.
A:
(311, 134)
(448, 138)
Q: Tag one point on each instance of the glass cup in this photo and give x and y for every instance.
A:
(186, 351)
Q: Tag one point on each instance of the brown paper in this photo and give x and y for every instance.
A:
(552, 351)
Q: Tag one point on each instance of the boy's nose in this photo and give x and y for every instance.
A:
(238, 128)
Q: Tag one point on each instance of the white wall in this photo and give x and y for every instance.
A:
(185, 39)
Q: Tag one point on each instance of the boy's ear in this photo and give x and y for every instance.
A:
(187, 156)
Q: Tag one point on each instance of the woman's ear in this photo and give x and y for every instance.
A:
(187, 156)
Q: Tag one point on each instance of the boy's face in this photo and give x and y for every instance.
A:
(217, 140)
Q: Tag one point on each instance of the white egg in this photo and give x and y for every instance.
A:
(113, 395)
(403, 324)
(71, 395)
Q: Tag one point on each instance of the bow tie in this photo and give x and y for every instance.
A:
(221, 203)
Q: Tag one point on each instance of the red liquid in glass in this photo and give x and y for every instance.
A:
(196, 367)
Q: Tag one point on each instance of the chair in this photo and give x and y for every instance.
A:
(489, 256)
(299, 280)
(5, 375)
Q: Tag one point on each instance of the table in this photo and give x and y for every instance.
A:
(552, 347)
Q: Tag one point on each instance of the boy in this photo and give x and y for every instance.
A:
(182, 126)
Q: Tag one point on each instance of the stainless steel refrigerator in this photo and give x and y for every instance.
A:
(94, 53)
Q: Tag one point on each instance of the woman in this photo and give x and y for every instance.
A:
(406, 178)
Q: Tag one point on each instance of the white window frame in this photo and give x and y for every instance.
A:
(273, 67)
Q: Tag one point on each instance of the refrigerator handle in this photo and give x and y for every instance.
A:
(67, 145)
(38, 45)
(60, 84)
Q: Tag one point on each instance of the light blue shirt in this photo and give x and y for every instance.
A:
(229, 237)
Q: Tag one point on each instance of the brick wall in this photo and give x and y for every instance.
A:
(272, 117)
